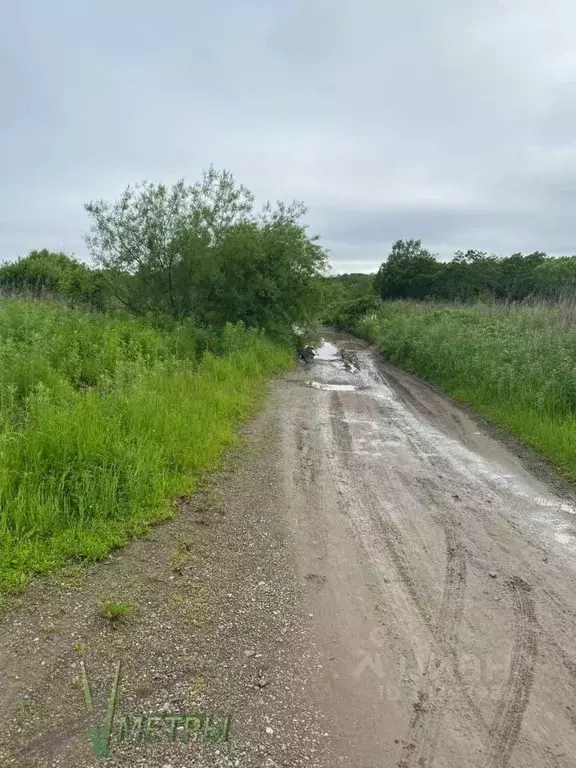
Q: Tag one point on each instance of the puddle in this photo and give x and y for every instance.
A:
(330, 353)
(327, 351)
(332, 387)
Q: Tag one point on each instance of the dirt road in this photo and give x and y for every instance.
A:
(375, 582)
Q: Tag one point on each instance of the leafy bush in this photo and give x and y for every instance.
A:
(350, 313)
(338, 290)
(46, 273)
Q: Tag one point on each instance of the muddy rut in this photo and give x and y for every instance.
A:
(385, 584)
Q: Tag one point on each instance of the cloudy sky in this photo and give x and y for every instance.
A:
(453, 121)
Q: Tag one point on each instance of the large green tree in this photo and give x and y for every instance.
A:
(204, 251)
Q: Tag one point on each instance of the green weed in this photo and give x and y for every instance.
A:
(113, 612)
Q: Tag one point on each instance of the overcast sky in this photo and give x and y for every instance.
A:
(453, 121)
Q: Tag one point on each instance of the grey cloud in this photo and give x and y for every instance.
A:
(449, 121)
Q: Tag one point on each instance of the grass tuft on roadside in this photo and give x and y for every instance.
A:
(113, 612)
(105, 420)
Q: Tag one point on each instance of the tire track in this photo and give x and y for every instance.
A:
(506, 724)
(507, 721)
(424, 732)
(441, 666)
(304, 442)
(442, 661)
(383, 536)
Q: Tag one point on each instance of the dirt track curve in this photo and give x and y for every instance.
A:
(388, 586)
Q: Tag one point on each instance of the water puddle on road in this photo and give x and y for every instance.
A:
(332, 387)
(328, 352)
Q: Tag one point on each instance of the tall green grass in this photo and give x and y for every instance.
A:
(104, 420)
(514, 364)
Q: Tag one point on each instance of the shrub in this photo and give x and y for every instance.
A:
(45, 273)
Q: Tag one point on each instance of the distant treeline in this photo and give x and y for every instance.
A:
(412, 272)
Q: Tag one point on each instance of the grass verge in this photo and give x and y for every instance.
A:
(514, 364)
(103, 421)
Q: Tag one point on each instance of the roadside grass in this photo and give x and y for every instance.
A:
(105, 420)
(114, 612)
(515, 364)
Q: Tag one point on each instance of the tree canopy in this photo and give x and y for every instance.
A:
(412, 272)
(205, 251)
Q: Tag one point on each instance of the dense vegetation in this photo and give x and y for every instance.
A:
(121, 383)
(412, 272)
(200, 251)
(47, 274)
(104, 419)
(205, 252)
(340, 294)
